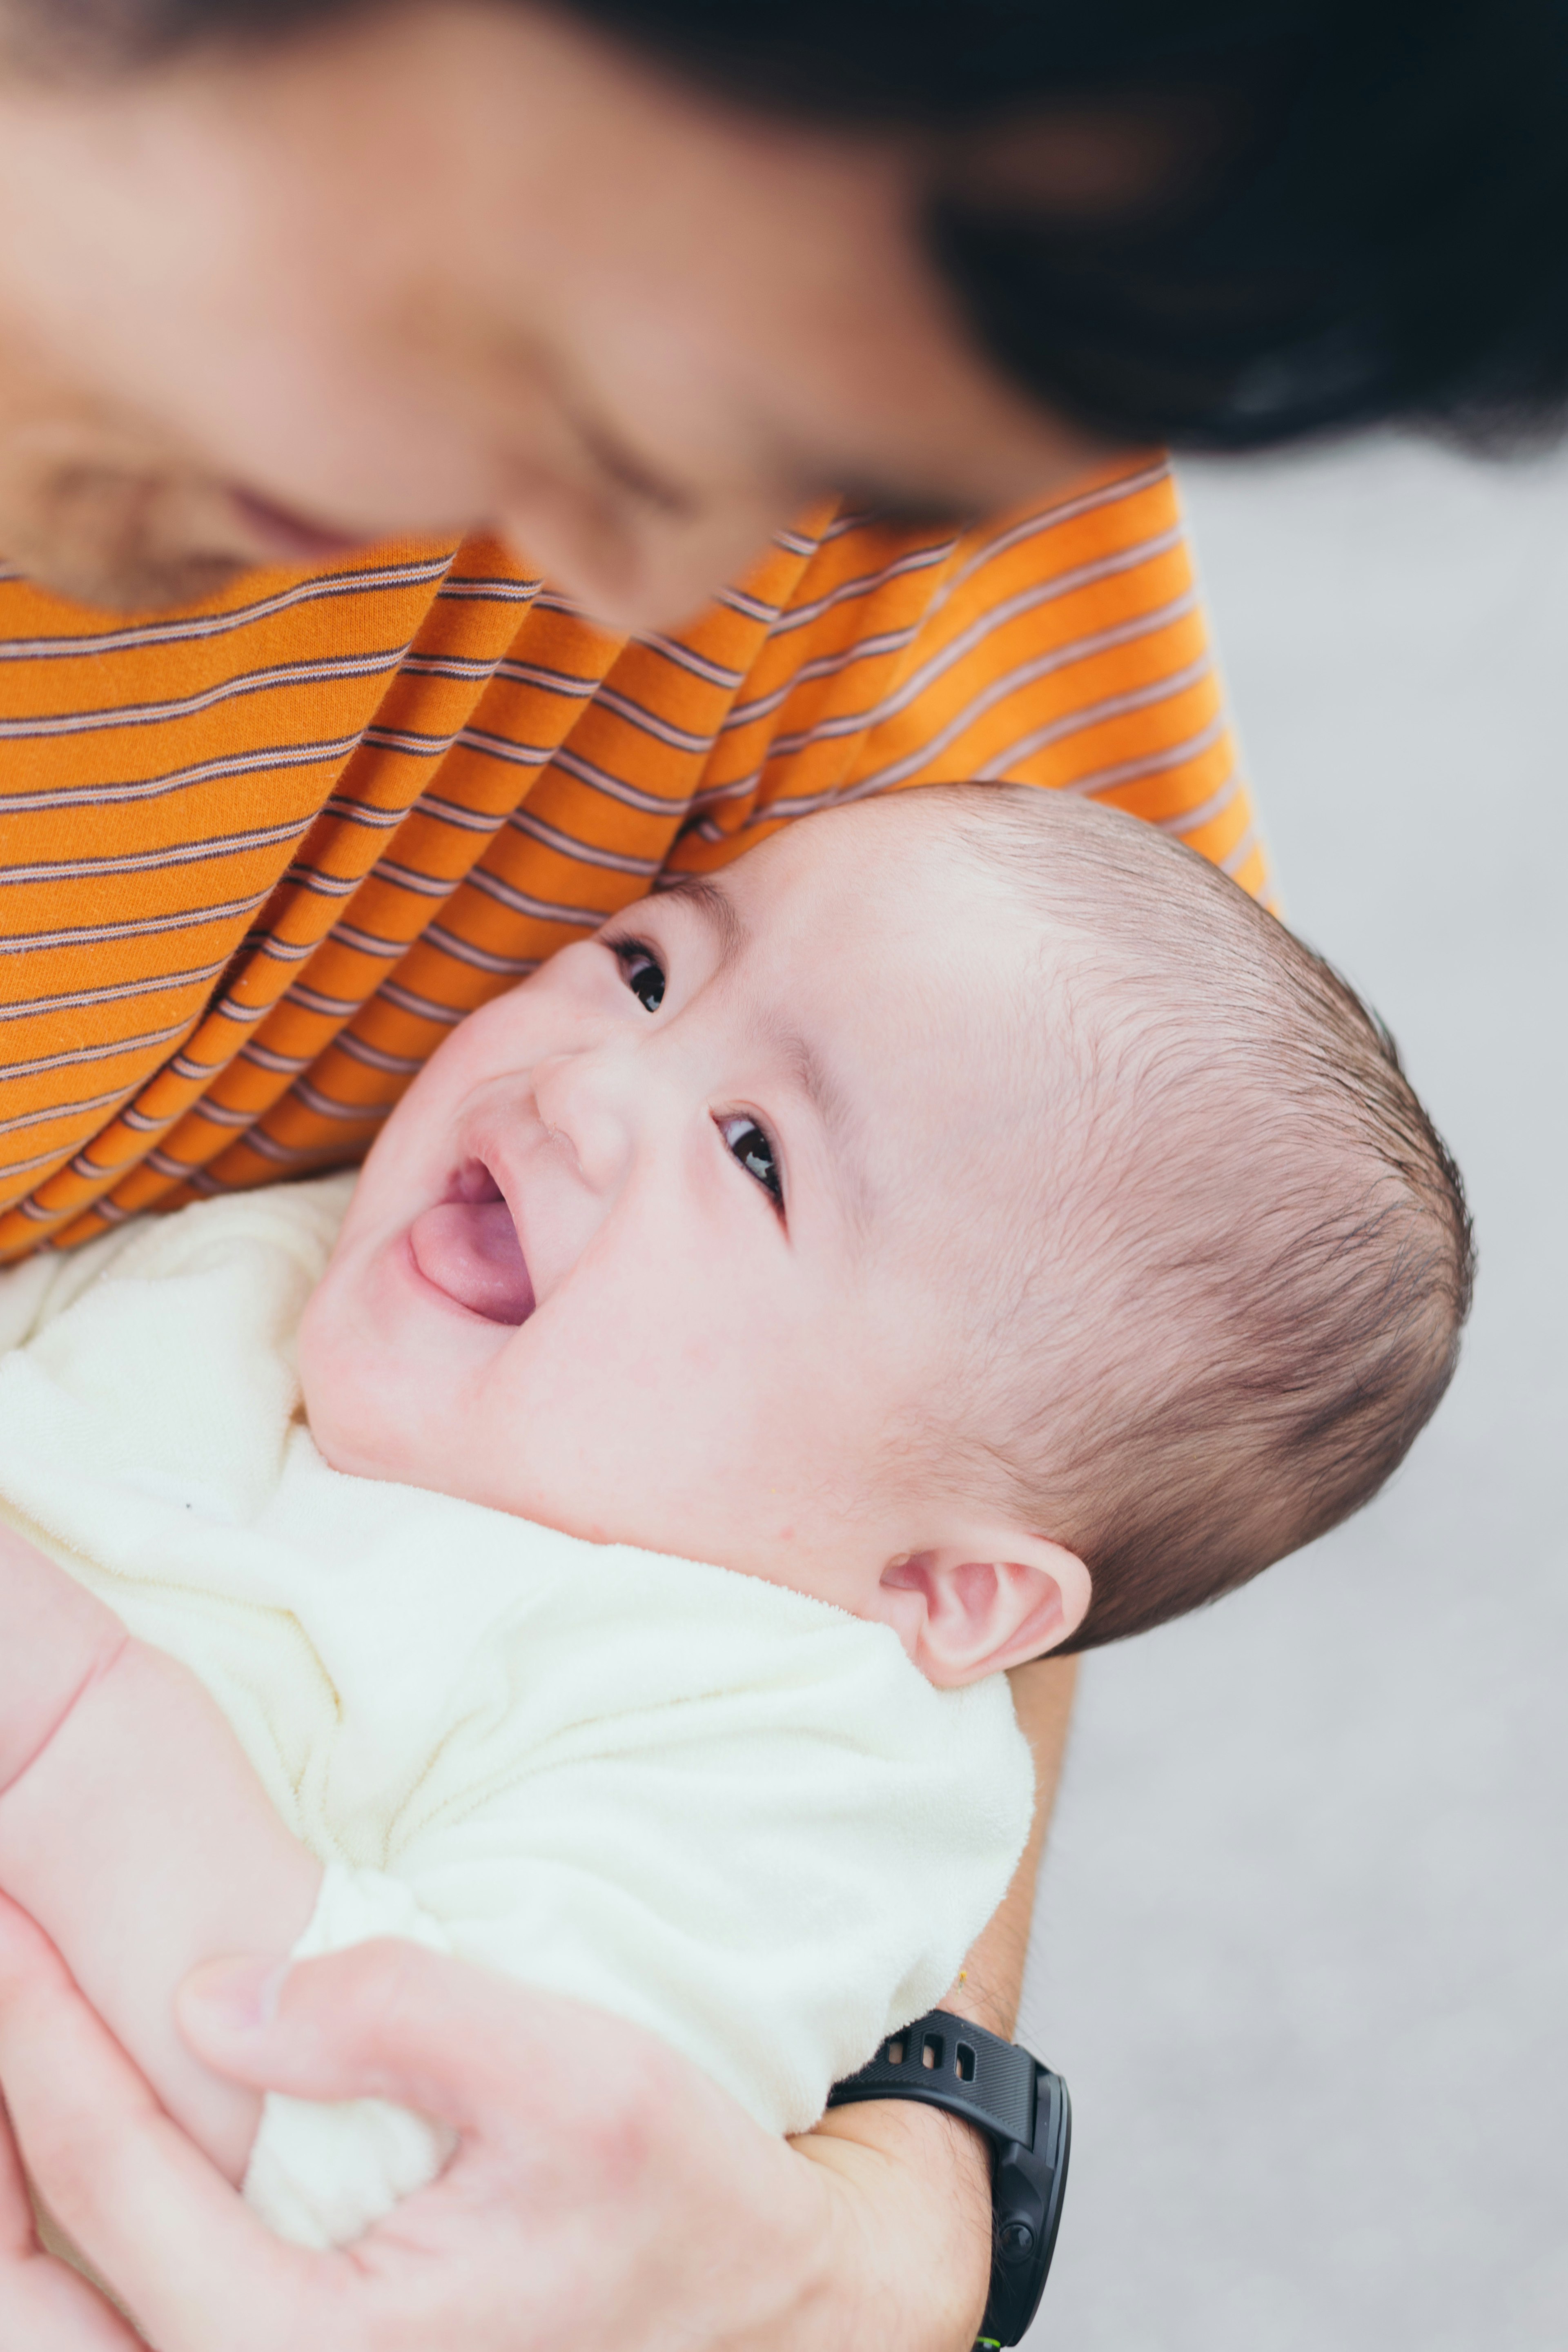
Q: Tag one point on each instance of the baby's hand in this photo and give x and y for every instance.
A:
(134, 1832)
(55, 1639)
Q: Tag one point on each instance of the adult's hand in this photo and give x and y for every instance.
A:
(44, 2304)
(603, 2190)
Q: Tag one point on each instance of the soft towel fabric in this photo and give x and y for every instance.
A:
(732, 1815)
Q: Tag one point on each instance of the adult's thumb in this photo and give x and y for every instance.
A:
(390, 2019)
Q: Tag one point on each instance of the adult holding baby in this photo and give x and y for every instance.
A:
(409, 271)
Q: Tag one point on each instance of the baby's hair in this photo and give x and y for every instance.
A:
(1239, 1294)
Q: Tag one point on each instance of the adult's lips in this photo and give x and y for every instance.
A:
(288, 536)
(468, 1246)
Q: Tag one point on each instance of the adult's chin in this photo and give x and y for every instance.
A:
(116, 541)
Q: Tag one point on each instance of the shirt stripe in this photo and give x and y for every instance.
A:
(258, 857)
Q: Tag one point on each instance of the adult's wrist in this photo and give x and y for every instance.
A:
(911, 2262)
(1023, 2110)
(918, 2278)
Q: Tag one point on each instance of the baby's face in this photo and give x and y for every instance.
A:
(668, 1246)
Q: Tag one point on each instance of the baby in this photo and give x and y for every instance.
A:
(970, 1222)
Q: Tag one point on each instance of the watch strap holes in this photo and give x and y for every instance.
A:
(933, 2049)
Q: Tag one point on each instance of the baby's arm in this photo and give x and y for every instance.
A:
(134, 1832)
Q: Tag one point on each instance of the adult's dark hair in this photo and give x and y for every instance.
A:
(1366, 216)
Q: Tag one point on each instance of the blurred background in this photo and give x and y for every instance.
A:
(1301, 1948)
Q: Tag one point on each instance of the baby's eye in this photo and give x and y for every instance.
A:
(754, 1148)
(643, 974)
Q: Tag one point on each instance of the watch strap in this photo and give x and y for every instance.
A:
(1023, 2108)
(945, 2061)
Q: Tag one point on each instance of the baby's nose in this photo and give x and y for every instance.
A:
(583, 1100)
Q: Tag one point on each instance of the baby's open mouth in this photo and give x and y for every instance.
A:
(468, 1246)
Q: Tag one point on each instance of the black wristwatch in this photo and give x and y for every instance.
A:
(1023, 2111)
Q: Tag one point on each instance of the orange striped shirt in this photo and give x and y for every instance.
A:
(257, 859)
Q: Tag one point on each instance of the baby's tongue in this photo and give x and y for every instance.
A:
(470, 1249)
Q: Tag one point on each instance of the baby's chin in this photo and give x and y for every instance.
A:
(349, 1360)
(386, 1362)
(355, 1432)
(327, 1378)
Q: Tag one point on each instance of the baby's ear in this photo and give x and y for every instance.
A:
(992, 1600)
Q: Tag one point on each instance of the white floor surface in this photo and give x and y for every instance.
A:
(1302, 1942)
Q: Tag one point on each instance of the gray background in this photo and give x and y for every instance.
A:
(1302, 1942)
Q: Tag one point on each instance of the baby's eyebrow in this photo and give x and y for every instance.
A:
(822, 1090)
(718, 910)
(713, 902)
(837, 1113)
